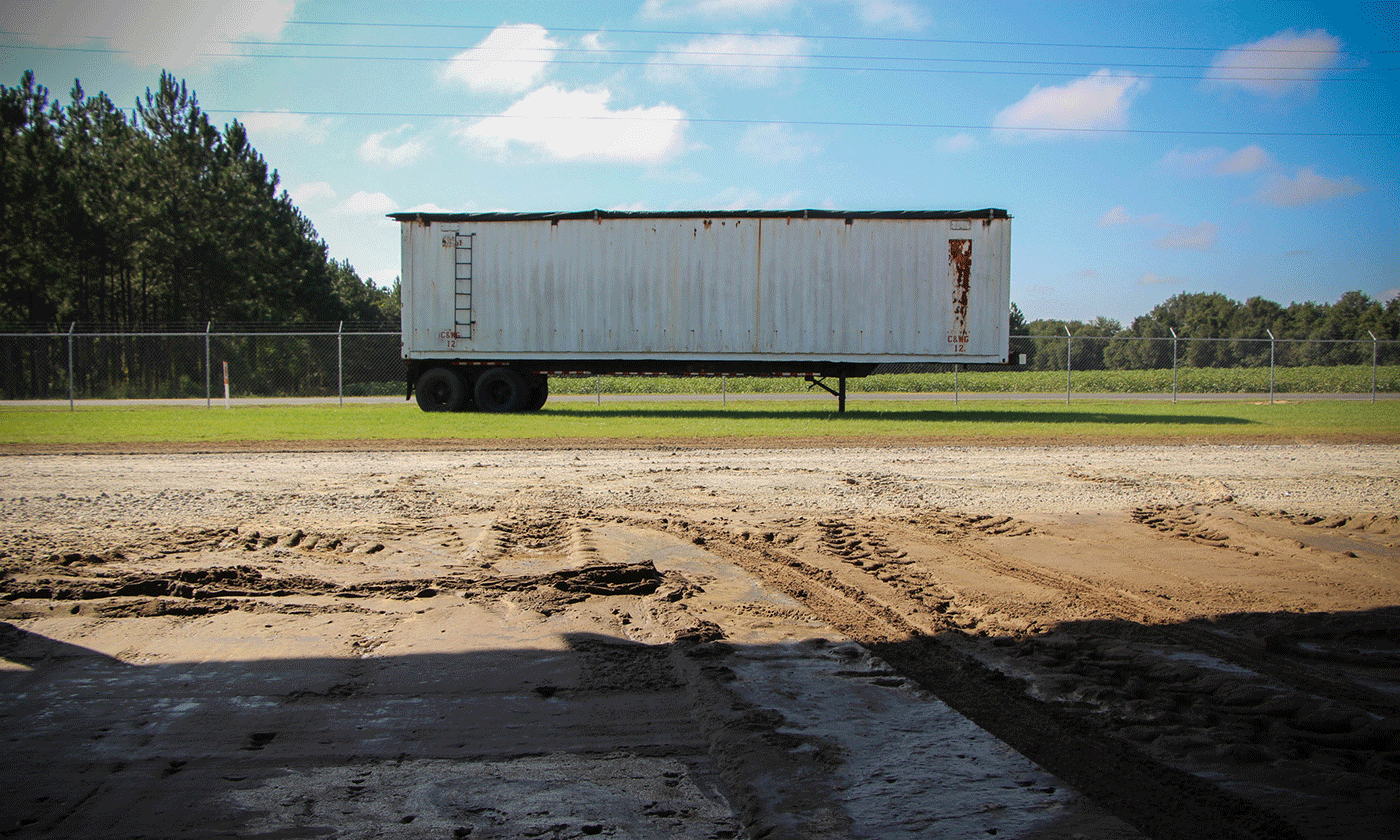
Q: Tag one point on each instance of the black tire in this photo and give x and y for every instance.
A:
(539, 393)
(502, 390)
(440, 389)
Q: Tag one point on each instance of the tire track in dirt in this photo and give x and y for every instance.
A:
(1162, 801)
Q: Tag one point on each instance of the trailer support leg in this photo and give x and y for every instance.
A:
(839, 392)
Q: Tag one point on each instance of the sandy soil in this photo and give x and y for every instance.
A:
(853, 642)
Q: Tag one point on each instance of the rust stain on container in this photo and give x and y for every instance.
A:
(960, 268)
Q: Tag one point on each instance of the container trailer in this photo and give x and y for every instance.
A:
(496, 303)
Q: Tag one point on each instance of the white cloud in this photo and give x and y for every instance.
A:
(750, 61)
(1116, 216)
(894, 14)
(1217, 161)
(578, 125)
(379, 150)
(1193, 163)
(430, 207)
(1307, 187)
(316, 192)
(1388, 295)
(150, 33)
(665, 9)
(775, 143)
(1150, 279)
(593, 41)
(743, 198)
(958, 144)
(512, 59)
(902, 15)
(1246, 161)
(1096, 102)
(1202, 237)
(1120, 216)
(1278, 65)
(364, 203)
(281, 123)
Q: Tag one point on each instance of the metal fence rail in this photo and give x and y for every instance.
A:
(1175, 364)
(174, 363)
(333, 360)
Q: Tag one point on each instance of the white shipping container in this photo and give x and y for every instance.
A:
(756, 286)
(495, 302)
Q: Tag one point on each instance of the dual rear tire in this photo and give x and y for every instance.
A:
(441, 389)
(498, 389)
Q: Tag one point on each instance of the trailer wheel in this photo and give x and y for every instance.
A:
(440, 389)
(502, 390)
(539, 392)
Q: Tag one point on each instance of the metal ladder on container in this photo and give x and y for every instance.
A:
(462, 273)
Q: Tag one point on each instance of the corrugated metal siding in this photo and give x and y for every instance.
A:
(740, 287)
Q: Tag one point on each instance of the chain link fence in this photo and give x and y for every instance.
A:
(1179, 364)
(88, 362)
(339, 360)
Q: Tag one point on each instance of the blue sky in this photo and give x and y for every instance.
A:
(1144, 149)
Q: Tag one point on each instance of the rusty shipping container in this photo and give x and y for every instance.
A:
(493, 303)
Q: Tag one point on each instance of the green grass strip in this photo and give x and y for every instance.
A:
(1342, 379)
(983, 421)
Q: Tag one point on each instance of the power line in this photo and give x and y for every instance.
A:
(550, 51)
(805, 123)
(1253, 76)
(869, 38)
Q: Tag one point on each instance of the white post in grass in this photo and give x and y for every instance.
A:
(1069, 363)
(1271, 365)
(70, 364)
(208, 374)
(226, 399)
(1375, 345)
(340, 362)
(1173, 329)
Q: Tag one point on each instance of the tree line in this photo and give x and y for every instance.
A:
(1235, 334)
(162, 218)
(156, 218)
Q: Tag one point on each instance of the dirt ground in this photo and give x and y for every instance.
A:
(850, 642)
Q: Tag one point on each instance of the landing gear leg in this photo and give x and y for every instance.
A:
(839, 392)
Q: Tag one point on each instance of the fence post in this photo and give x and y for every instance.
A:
(340, 362)
(955, 383)
(1375, 346)
(208, 374)
(1173, 329)
(70, 364)
(1272, 341)
(1069, 363)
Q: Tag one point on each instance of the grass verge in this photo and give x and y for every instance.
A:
(1343, 379)
(1088, 421)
